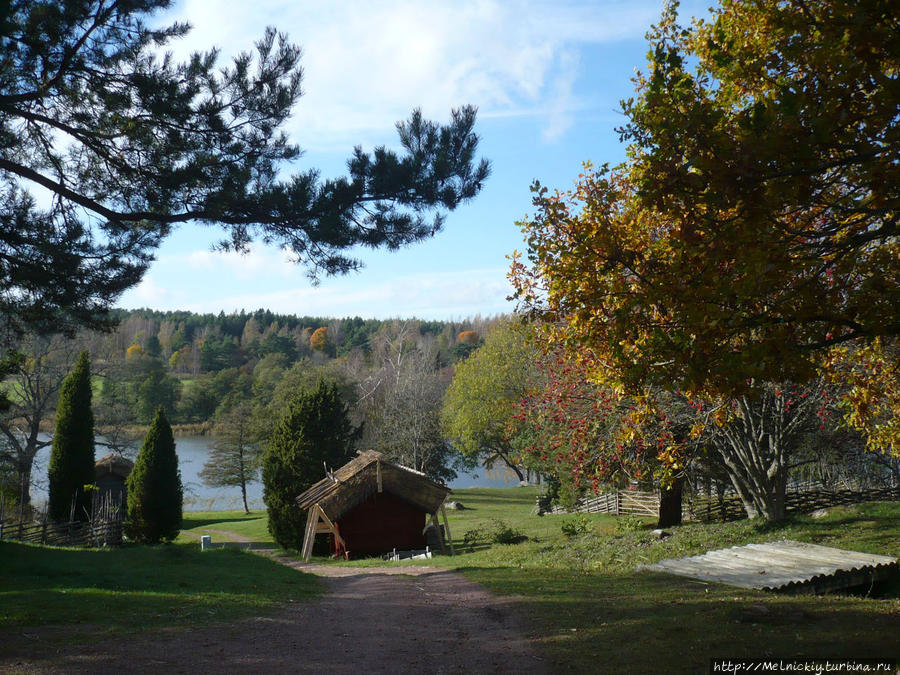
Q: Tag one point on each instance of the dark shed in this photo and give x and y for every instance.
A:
(372, 505)
(110, 472)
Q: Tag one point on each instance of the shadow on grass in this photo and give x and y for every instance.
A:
(138, 585)
(651, 622)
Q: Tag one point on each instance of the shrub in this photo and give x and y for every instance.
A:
(501, 532)
(629, 523)
(576, 526)
(154, 487)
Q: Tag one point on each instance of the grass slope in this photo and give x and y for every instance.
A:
(590, 610)
(124, 590)
(594, 613)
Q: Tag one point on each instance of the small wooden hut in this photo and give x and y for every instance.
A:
(372, 505)
(110, 472)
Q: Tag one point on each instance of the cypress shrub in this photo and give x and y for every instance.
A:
(154, 487)
(316, 428)
(72, 456)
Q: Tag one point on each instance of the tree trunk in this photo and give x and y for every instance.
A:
(23, 467)
(670, 504)
(503, 454)
(761, 493)
(244, 495)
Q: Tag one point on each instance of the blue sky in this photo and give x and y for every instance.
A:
(547, 79)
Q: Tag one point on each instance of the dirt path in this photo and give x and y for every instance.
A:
(372, 620)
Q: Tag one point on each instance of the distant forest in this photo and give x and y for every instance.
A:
(214, 373)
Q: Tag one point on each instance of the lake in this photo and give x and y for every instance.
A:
(192, 453)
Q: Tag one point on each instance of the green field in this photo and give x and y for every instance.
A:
(133, 588)
(596, 614)
(572, 578)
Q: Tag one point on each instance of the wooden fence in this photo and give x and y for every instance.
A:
(806, 500)
(73, 533)
(104, 528)
(616, 503)
(798, 499)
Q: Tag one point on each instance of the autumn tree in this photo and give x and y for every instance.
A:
(155, 495)
(132, 143)
(479, 408)
(589, 437)
(735, 249)
(759, 230)
(320, 341)
(314, 432)
(71, 470)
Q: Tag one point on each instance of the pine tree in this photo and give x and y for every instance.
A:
(315, 429)
(72, 456)
(154, 487)
(131, 143)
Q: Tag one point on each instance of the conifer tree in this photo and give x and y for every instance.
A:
(154, 487)
(315, 429)
(72, 456)
(132, 142)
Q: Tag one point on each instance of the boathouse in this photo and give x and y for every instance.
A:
(371, 506)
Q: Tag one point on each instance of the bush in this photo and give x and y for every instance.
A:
(577, 526)
(154, 487)
(629, 523)
(496, 532)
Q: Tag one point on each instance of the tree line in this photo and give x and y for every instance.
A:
(392, 374)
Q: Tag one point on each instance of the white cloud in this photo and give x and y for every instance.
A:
(367, 64)
(429, 296)
(259, 262)
(149, 293)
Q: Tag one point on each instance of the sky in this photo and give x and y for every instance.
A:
(547, 78)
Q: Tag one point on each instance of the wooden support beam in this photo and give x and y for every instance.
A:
(434, 521)
(312, 521)
(447, 526)
(378, 474)
(331, 528)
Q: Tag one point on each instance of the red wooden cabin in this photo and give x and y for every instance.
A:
(372, 505)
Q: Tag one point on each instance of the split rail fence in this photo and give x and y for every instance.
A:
(798, 499)
(616, 503)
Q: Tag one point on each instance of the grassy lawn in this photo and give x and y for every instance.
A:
(135, 588)
(596, 613)
(572, 576)
(218, 524)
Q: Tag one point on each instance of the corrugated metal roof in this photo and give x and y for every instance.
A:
(781, 565)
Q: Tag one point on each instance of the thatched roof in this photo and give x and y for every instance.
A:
(358, 480)
(113, 463)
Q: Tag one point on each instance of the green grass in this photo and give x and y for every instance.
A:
(594, 611)
(133, 588)
(251, 526)
(590, 610)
